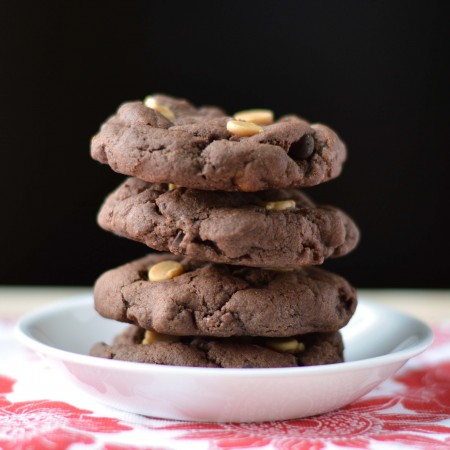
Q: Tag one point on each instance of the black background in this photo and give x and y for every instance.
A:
(376, 71)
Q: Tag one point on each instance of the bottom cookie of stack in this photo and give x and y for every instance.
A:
(256, 352)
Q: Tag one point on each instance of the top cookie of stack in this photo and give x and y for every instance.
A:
(167, 140)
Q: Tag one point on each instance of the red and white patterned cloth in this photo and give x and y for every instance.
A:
(39, 409)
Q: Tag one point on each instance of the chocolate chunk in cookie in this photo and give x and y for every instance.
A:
(220, 300)
(318, 348)
(265, 229)
(171, 141)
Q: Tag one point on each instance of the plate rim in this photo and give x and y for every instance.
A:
(82, 301)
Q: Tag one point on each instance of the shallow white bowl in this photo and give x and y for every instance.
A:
(378, 342)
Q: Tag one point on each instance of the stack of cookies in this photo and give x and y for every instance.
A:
(239, 288)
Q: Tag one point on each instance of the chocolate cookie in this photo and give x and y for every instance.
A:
(222, 300)
(174, 142)
(230, 228)
(319, 348)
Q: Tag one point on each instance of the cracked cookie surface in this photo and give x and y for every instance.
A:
(196, 150)
(320, 348)
(222, 300)
(230, 228)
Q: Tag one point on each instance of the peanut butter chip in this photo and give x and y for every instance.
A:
(165, 270)
(258, 116)
(172, 186)
(243, 129)
(150, 102)
(278, 206)
(288, 345)
(151, 337)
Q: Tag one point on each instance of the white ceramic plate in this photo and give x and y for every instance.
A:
(378, 342)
